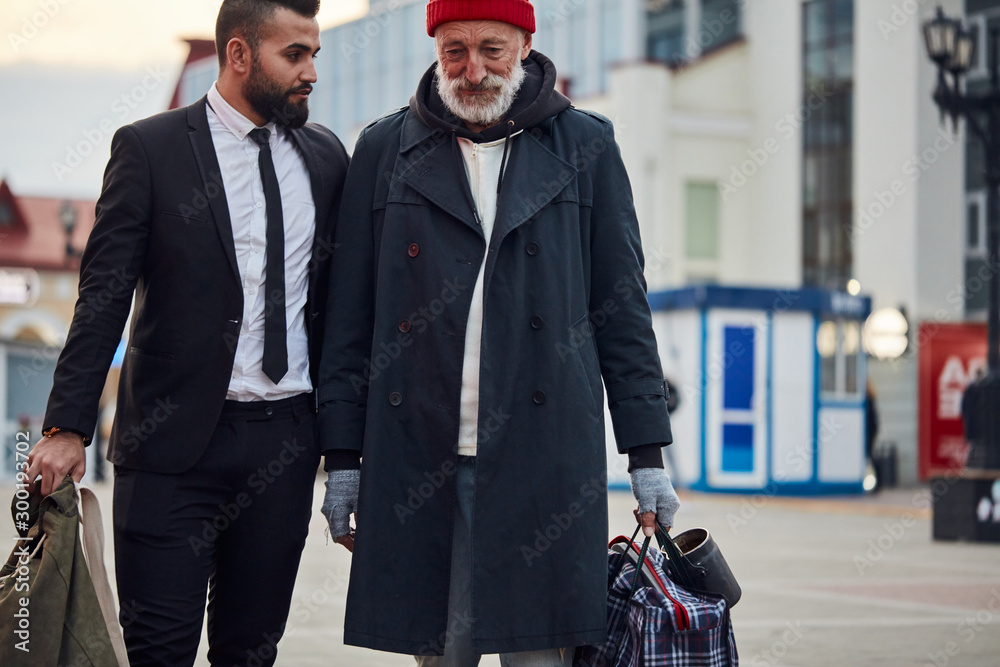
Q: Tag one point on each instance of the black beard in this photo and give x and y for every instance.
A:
(268, 100)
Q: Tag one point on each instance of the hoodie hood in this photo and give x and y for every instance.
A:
(536, 101)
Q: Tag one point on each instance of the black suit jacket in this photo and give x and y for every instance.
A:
(163, 233)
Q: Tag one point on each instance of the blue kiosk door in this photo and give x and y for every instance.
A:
(736, 369)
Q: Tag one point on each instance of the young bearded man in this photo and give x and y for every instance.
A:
(219, 219)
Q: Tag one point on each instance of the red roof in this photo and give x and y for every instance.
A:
(32, 236)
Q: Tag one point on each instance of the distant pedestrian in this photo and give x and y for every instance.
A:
(496, 272)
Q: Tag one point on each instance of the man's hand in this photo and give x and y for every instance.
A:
(54, 458)
(340, 502)
(658, 502)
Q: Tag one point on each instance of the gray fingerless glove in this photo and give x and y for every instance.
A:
(652, 488)
(341, 500)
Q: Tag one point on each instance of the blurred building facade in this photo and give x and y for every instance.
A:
(772, 143)
(41, 239)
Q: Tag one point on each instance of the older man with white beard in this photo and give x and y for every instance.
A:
(487, 279)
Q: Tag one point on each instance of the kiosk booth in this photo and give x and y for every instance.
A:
(771, 386)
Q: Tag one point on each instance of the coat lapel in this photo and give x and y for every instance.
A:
(534, 177)
(213, 190)
(434, 171)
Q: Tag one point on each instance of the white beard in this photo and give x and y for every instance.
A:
(482, 113)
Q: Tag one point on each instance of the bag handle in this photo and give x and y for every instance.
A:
(622, 559)
(92, 524)
(678, 565)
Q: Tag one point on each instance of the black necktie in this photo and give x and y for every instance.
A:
(275, 331)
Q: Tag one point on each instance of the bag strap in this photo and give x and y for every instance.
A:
(679, 567)
(622, 560)
(93, 549)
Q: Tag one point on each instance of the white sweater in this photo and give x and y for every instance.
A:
(482, 165)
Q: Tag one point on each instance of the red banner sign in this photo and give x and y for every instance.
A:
(951, 356)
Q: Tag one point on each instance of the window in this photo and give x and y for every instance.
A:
(6, 214)
(665, 30)
(838, 343)
(720, 22)
(827, 140)
(701, 221)
(975, 224)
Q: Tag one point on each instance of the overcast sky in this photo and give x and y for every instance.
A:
(73, 71)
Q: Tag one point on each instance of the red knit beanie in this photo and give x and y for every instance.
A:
(515, 12)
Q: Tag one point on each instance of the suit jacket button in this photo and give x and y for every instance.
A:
(531, 249)
(395, 399)
(413, 250)
(537, 322)
(404, 326)
(538, 397)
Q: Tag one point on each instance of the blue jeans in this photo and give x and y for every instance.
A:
(458, 649)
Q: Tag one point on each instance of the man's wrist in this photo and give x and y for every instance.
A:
(342, 459)
(54, 430)
(645, 456)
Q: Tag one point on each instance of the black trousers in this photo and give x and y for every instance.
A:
(232, 527)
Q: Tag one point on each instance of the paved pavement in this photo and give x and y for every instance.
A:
(826, 582)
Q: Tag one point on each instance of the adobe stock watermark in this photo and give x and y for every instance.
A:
(121, 108)
(32, 25)
(912, 169)
(590, 492)
(369, 30)
(417, 496)
(417, 323)
(335, 583)
(460, 623)
(970, 628)
(893, 532)
(899, 15)
(794, 461)
(779, 648)
(258, 481)
(626, 287)
(786, 127)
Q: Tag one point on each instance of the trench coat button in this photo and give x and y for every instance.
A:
(404, 326)
(531, 249)
(268, 411)
(395, 399)
(413, 250)
(537, 322)
(538, 397)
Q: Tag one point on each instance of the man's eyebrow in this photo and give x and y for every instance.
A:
(301, 47)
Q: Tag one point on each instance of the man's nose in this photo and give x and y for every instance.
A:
(475, 69)
(309, 74)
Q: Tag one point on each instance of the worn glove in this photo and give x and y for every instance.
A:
(652, 488)
(341, 500)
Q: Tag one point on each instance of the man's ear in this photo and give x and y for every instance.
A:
(526, 49)
(238, 55)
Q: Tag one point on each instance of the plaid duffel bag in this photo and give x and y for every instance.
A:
(653, 622)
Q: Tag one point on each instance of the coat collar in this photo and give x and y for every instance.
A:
(534, 177)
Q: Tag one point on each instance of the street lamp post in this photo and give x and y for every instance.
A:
(951, 46)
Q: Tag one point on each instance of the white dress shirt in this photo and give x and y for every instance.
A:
(237, 154)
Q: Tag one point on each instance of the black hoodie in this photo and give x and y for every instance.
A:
(536, 101)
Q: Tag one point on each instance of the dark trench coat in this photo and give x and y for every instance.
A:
(565, 306)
